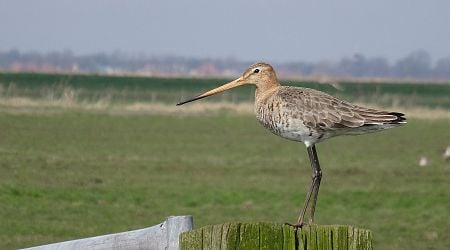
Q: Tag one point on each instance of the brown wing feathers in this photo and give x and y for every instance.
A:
(328, 112)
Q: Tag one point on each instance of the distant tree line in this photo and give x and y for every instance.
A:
(418, 65)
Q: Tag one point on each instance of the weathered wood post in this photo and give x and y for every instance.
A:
(276, 236)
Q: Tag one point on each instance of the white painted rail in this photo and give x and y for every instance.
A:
(159, 237)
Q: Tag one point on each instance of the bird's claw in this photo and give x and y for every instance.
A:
(296, 225)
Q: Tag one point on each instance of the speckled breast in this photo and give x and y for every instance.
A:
(282, 122)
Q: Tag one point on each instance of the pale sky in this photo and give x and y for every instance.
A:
(278, 31)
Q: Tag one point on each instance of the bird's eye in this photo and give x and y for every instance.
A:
(256, 71)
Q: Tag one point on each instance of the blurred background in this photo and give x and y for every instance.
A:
(91, 142)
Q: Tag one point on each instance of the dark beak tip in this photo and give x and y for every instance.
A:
(191, 100)
(184, 102)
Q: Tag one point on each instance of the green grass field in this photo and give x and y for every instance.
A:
(68, 171)
(79, 174)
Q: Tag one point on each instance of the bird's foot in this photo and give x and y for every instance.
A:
(297, 225)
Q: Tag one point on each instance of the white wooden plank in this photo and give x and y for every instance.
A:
(159, 237)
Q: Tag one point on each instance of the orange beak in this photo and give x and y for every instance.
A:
(230, 85)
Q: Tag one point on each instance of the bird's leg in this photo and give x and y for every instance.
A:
(313, 188)
(317, 177)
(300, 222)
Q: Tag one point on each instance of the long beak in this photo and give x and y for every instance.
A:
(230, 85)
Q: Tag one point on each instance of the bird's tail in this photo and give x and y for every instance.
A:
(363, 120)
(380, 117)
(399, 118)
(377, 120)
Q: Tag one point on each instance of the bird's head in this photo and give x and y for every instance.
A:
(259, 74)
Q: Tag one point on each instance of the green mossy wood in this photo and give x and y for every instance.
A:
(267, 235)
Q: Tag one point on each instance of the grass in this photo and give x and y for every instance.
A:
(73, 174)
(126, 89)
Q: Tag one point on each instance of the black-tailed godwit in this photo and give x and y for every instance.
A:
(306, 115)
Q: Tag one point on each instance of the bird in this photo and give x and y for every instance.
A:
(306, 115)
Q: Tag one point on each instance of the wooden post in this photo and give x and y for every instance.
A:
(268, 235)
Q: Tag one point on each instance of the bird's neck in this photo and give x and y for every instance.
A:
(265, 90)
